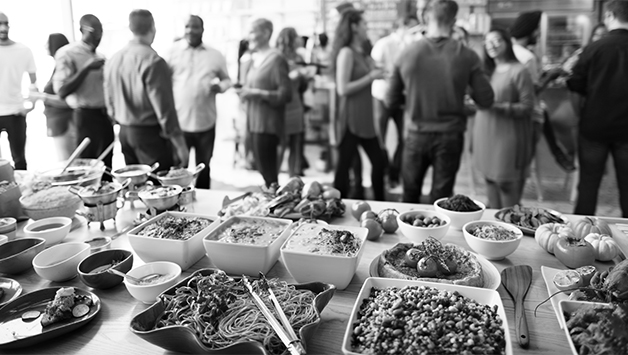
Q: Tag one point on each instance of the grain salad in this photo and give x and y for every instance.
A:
(426, 320)
(176, 228)
(492, 232)
(317, 239)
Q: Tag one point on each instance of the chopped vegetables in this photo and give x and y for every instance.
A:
(493, 232)
(175, 228)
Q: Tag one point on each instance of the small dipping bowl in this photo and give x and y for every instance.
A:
(3, 239)
(8, 227)
(60, 262)
(99, 244)
(148, 293)
(51, 229)
(93, 269)
(16, 256)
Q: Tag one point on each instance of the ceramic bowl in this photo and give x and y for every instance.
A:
(459, 219)
(52, 229)
(307, 266)
(92, 270)
(492, 249)
(420, 234)
(59, 262)
(8, 227)
(148, 293)
(64, 210)
(3, 239)
(99, 243)
(16, 256)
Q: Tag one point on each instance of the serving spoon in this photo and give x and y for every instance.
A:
(139, 281)
(516, 280)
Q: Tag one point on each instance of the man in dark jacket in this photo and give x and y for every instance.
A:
(434, 73)
(600, 78)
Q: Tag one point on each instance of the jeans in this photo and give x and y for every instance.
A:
(145, 145)
(382, 114)
(295, 142)
(264, 147)
(95, 125)
(441, 150)
(15, 126)
(203, 144)
(592, 157)
(347, 151)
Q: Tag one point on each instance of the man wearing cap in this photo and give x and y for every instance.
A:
(78, 78)
(525, 33)
(600, 78)
(15, 60)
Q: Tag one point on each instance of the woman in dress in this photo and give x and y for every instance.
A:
(58, 114)
(502, 135)
(266, 90)
(354, 72)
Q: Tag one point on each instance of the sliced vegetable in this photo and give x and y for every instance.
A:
(80, 310)
(30, 315)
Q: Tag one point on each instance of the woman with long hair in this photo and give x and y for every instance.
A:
(354, 72)
(58, 114)
(294, 127)
(503, 135)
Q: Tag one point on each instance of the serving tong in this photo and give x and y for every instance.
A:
(285, 331)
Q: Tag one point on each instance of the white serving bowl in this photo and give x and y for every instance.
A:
(568, 306)
(248, 259)
(51, 229)
(459, 219)
(60, 262)
(306, 266)
(185, 253)
(492, 249)
(420, 234)
(148, 293)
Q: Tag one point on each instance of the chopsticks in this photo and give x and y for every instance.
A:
(287, 335)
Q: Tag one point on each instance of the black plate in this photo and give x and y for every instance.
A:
(16, 333)
(529, 230)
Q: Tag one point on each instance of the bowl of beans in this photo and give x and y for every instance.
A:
(491, 239)
(418, 225)
(461, 209)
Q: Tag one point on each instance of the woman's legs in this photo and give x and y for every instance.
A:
(493, 194)
(376, 156)
(295, 142)
(264, 147)
(346, 156)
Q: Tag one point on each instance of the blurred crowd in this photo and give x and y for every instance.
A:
(423, 76)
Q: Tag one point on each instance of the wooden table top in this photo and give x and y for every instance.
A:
(109, 332)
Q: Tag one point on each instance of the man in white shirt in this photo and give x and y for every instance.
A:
(15, 60)
(199, 72)
(385, 53)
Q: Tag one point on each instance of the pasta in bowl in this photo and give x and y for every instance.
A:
(168, 323)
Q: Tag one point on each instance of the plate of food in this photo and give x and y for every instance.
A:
(160, 324)
(401, 317)
(528, 219)
(45, 314)
(449, 264)
(9, 290)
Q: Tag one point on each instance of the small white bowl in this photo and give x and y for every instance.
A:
(52, 229)
(148, 293)
(306, 266)
(60, 262)
(459, 219)
(3, 239)
(8, 227)
(492, 249)
(420, 234)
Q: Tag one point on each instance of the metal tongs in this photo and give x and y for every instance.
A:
(285, 332)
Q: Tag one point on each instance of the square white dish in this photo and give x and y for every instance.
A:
(480, 295)
(185, 253)
(569, 307)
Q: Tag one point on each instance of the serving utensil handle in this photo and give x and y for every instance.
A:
(521, 323)
(76, 153)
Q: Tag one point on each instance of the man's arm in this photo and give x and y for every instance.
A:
(395, 97)
(72, 82)
(223, 76)
(481, 89)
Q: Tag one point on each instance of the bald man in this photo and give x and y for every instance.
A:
(15, 60)
(78, 78)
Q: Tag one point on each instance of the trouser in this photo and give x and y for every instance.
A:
(203, 144)
(15, 126)
(145, 145)
(347, 151)
(383, 114)
(264, 147)
(592, 157)
(295, 143)
(442, 151)
(94, 123)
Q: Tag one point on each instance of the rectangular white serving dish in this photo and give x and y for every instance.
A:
(185, 253)
(480, 295)
(334, 269)
(247, 259)
(572, 306)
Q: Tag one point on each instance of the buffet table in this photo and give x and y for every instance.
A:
(109, 332)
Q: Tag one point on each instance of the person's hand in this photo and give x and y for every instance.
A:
(181, 149)
(95, 63)
(553, 74)
(377, 74)
(249, 93)
(215, 88)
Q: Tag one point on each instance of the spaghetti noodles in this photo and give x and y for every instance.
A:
(221, 312)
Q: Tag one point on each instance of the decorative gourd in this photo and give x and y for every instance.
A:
(591, 225)
(546, 235)
(605, 247)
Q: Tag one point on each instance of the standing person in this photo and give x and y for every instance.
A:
(502, 134)
(138, 91)
(355, 71)
(78, 79)
(385, 53)
(199, 72)
(266, 91)
(600, 78)
(58, 114)
(294, 128)
(15, 60)
(431, 77)
(597, 33)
